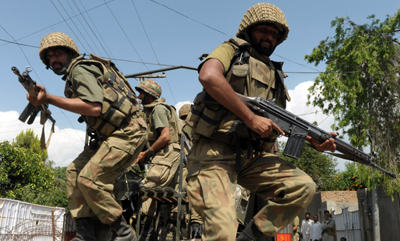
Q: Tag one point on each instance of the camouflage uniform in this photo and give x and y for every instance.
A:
(107, 103)
(187, 131)
(212, 163)
(91, 175)
(165, 162)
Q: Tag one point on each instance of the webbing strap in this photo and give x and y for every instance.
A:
(44, 145)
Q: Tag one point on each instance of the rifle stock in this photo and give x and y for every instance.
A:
(297, 129)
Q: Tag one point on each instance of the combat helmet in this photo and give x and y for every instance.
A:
(264, 13)
(184, 110)
(150, 87)
(56, 39)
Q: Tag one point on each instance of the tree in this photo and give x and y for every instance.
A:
(348, 180)
(361, 88)
(319, 166)
(26, 175)
(21, 167)
(29, 139)
(54, 196)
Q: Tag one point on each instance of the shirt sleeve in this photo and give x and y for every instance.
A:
(160, 116)
(296, 221)
(87, 81)
(224, 53)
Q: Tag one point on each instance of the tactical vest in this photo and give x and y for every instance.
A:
(153, 134)
(246, 75)
(119, 99)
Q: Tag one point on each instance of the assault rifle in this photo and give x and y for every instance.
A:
(297, 129)
(30, 110)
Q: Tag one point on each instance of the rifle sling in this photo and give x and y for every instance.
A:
(44, 145)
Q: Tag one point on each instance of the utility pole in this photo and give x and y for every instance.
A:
(376, 228)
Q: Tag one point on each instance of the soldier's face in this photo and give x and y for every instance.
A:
(58, 58)
(141, 95)
(145, 98)
(264, 38)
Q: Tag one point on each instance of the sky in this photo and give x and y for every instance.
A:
(152, 34)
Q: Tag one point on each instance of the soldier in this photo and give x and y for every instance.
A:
(163, 132)
(225, 149)
(196, 222)
(183, 126)
(118, 133)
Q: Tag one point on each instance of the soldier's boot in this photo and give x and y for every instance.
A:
(148, 233)
(84, 230)
(250, 233)
(196, 230)
(122, 231)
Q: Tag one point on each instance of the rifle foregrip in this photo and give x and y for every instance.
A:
(30, 110)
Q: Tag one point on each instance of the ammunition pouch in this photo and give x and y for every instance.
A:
(205, 115)
(119, 100)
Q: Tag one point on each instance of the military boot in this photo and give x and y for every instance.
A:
(84, 230)
(122, 231)
(197, 230)
(250, 233)
(148, 233)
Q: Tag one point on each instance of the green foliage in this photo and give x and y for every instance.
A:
(29, 139)
(348, 180)
(21, 167)
(361, 88)
(320, 167)
(55, 196)
(25, 174)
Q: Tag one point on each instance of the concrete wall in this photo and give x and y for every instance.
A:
(389, 214)
(339, 196)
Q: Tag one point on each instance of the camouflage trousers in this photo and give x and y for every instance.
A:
(91, 175)
(212, 187)
(163, 172)
(194, 217)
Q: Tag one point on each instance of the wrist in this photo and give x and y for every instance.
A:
(151, 151)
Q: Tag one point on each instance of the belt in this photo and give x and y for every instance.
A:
(240, 143)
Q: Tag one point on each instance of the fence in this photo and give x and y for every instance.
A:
(348, 225)
(26, 221)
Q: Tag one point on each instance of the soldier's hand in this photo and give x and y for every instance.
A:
(264, 126)
(141, 157)
(41, 97)
(328, 145)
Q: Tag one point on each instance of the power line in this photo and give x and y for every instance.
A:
(13, 42)
(94, 25)
(68, 25)
(124, 33)
(190, 18)
(87, 34)
(171, 65)
(29, 63)
(296, 62)
(154, 52)
(61, 21)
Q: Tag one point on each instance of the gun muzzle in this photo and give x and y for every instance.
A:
(15, 70)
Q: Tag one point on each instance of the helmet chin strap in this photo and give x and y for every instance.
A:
(62, 71)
